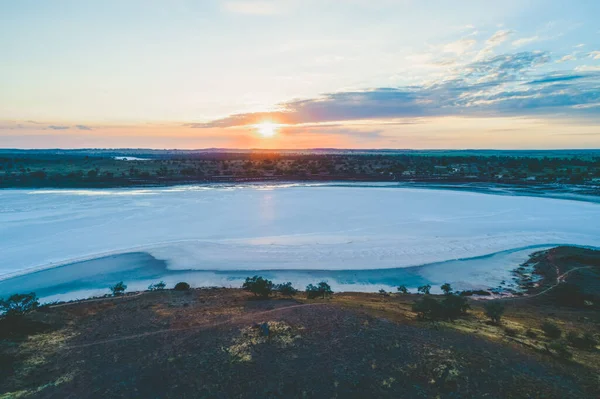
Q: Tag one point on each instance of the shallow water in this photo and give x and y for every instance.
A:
(139, 270)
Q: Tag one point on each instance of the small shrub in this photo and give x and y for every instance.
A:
(454, 306)
(511, 332)
(286, 289)
(157, 287)
(494, 310)
(551, 330)
(402, 289)
(530, 333)
(446, 288)
(320, 290)
(427, 308)
(383, 292)
(182, 286)
(424, 289)
(18, 304)
(259, 286)
(585, 341)
(118, 289)
(561, 349)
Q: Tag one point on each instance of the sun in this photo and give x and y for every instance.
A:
(267, 129)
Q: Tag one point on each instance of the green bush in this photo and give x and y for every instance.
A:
(182, 286)
(18, 304)
(383, 292)
(450, 308)
(320, 290)
(494, 310)
(157, 287)
(551, 330)
(286, 289)
(454, 306)
(530, 333)
(118, 289)
(427, 308)
(511, 332)
(585, 341)
(561, 349)
(259, 286)
(402, 289)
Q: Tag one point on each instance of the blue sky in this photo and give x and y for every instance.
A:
(328, 73)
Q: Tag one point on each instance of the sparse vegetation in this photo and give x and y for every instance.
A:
(18, 304)
(181, 286)
(259, 286)
(286, 289)
(530, 333)
(322, 290)
(157, 286)
(402, 289)
(494, 310)
(551, 330)
(561, 349)
(449, 308)
(118, 289)
(585, 341)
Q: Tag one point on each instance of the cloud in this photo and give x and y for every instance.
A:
(507, 84)
(253, 7)
(569, 57)
(588, 68)
(494, 41)
(459, 47)
(525, 40)
(499, 37)
(595, 55)
(58, 127)
(83, 127)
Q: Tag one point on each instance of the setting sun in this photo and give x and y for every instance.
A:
(267, 129)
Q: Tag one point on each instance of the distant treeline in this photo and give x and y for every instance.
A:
(98, 168)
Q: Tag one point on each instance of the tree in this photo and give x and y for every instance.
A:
(259, 286)
(157, 286)
(424, 289)
(447, 288)
(402, 289)
(18, 304)
(322, 289)
(118, 289)
(286, 289)
(182, 286)
(494, 310)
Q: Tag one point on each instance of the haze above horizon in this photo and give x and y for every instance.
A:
(294, 74)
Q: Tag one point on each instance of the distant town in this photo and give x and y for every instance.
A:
(116, 168)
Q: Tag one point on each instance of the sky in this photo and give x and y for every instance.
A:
(300, 74)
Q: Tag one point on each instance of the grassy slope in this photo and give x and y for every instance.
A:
(203, 343)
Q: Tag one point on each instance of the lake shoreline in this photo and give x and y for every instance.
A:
(91, 278)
